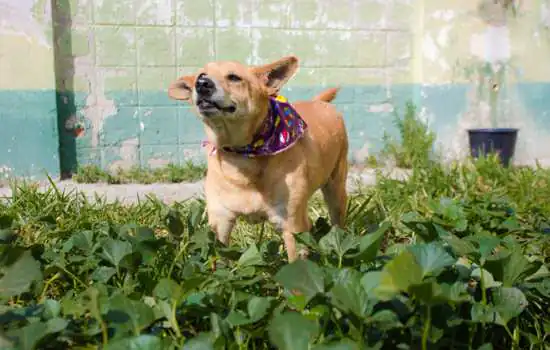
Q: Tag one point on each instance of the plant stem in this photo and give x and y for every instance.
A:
(72, 276)
(175, 324)
(427, 326)
(482, 286)
(180, 253)
(47, 285)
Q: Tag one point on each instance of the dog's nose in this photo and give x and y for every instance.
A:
(205, 86)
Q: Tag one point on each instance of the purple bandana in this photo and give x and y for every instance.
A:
(280, 131)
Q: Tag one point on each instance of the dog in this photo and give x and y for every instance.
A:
(266, 158)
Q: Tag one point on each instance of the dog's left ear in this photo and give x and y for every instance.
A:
(182, 88)
(275, 75)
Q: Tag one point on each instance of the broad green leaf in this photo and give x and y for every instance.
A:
(114, 251)
(459, 246)
(28, 337)
(337, 241)
(432, 258)
(251, 257)
(103, 274)
(429, 293)
(385, 320)
(369, 244)
(483, 313)
(348, 294)
(141, 342)
(84, 240)
(488, 280)
(203, 341)
(341, 345)
(292, 331)
(6, 343)
(257, 308)
(307, 239)
(6, 235)
(509, 303)
(237, 318)
(303, 275)
(486, 346)
(18, 276)
(517, 268)
(370, 281)
(456, 292)
(52, 308)
(166, 289)
(56, 324)
(174, 223)
(486, 244)
(140, 315)
(398, 275)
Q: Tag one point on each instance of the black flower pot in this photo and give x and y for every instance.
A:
(501, 141)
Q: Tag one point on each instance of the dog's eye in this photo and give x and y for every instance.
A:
(233, 77)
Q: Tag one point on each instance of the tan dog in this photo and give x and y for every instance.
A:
(232, 101)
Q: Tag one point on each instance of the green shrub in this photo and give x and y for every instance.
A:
(416, 142)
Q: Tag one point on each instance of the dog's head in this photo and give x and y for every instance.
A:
(230, 90)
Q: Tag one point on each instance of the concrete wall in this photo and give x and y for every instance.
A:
(115, 59)
(28, 118)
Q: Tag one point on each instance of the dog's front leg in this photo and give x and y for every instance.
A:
(221, 221)
(299, 222)
(222, 227)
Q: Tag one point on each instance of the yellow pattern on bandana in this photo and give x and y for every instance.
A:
(281, 98)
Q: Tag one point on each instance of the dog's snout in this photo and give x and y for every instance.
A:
(205, 86)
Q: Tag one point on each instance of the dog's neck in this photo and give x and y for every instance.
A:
(236, 132)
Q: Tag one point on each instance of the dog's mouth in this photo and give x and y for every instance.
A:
(207, 106)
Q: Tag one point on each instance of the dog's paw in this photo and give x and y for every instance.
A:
(303, 253)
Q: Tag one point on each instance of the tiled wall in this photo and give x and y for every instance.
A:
(114, 60)
(126, 52)
(28, 118)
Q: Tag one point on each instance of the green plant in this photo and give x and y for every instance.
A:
(451, 258)
(416, 140)
(171, 173)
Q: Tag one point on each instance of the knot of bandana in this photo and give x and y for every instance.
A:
(283, 126)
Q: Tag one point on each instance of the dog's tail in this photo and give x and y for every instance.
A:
(328, 95)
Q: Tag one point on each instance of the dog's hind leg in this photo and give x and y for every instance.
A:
(335, 193)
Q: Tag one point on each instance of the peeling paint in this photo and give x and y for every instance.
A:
(381, 108)
(492, 45)
(429, 48)
(129, 155)
(445, 15)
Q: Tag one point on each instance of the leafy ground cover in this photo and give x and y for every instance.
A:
(453, 258)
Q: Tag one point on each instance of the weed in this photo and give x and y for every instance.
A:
(416, 140)
(454, 257)
(172, 173)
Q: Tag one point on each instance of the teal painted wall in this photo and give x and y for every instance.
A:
(29, 143)
(28, 133)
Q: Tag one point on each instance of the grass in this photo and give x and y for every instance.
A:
(455, 257)
(188, 172)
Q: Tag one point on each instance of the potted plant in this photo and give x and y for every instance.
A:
(490, 75)
(494, 139)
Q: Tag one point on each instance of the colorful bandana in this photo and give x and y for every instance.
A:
(280, 131)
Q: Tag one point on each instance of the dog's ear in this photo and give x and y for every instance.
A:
(274, 75)
(182, 88)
